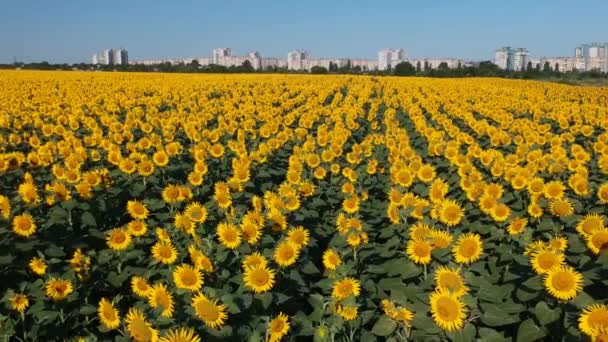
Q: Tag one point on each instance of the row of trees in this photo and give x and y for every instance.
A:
(483, 69)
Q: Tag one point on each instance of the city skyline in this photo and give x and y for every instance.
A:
(70, 30)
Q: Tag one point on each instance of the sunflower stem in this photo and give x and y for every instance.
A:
(424, 271)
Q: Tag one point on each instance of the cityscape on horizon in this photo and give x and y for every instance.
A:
(587, 57)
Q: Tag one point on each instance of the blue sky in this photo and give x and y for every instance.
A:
(71, 30)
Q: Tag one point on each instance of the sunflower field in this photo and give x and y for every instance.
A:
(167, 207)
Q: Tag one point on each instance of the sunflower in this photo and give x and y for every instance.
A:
(19, 302)
(593, 319)
(426, 173)
(563, 282)
(171, 194)
(450, 212)
(286, 253)
(118, 239)
(468, 248)
(351, 204)
(450, 280)
(200, 260)
(487, 204)
(278, 220)
(28, 193)
(137, 227)
(554, 190)
(228, 235)
(160, 158)
(140, 286)
(348, 312)
(108, 314)
(346, 287)
(517, 226)
(561, 207)
(597, 242)
(440, 238)
(251, 231)
(535, 210)
(278, 327)
(254, 260)
(58, 289)
(137, 210)
(447, 310)
(404, 177)
(544, 259)
(500, 212)
(419, 251)
(196, 212)
(38, 266)
(590, 223)
(559, 243)
(180, 335)
(160, 297)
(187, 277)
(164, 252)
(259, 279)
(439, 188)
(5, 207)
(420, 231)
(331, 259)
(209, 311)
(163, 235)
(24, 225)
(602, 193)
(139, 329)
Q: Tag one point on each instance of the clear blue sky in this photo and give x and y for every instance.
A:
(71, 30)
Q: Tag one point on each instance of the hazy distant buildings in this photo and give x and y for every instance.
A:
(389, 58)
(590, 57)
(220, 54)
(111, 57)
(296, 60)
(508, 58)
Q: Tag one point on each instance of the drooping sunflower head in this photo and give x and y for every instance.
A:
(450, 280)
(209, 311)
(160, 297)
(108, 314)
(138, 327)
(346, 287)
(137, 210)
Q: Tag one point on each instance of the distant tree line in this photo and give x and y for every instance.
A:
(482, 69)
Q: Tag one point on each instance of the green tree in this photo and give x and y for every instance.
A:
(317, 69)
(547, 67)
(404, 69)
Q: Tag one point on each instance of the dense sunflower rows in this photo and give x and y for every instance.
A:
(267, 208)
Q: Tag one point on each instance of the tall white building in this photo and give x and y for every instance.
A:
(220, 54)
(108, 57)
(95, 59)
(121, 57)
(296, 60)
(389, 58)
(255, 59)
(508, 58)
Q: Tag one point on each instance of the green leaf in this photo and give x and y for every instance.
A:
(87, 309)
(494, 316)
(464, 335)
(545, 315)
(528, 331)
(265, 298)
(88, 219)
(533, 283)
(384, 326)
(310, 268)
(582, 300)
(6, 259)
